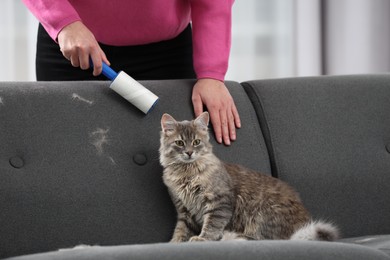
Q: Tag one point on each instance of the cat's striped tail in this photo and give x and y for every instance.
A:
(316, 230)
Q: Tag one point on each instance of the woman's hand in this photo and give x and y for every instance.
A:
(220, 105)
(78, 45)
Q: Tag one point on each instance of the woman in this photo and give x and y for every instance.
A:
(148, 39)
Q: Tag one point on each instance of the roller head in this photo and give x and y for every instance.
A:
(134, 92)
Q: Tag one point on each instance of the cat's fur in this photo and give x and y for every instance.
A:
(220, 201)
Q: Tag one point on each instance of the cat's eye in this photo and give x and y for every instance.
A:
(196, 142)
(179, 143)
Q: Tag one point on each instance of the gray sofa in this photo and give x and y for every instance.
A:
(79, 165)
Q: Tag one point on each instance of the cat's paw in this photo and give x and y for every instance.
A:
(197, 239)
(178, 240)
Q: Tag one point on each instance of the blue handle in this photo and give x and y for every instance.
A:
(107, 71)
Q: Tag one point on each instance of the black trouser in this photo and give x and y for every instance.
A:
(171, 59)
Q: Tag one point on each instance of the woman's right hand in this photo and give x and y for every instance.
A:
(78, 45)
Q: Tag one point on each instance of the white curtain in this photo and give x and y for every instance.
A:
(308, 38)
(279, 38)
(262, 39)
(18, 29)
(271, 38)
(356, 36)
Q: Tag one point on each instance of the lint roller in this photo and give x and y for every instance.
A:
(130, 89)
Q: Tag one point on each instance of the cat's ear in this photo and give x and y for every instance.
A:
(203, 120)
(168, 124)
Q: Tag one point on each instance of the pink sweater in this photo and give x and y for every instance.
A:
(135, 22)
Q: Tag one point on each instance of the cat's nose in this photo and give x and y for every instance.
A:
(189, 153)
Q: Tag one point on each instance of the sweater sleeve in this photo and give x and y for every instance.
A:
(53, 15)
(211, 22)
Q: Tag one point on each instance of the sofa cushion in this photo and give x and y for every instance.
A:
(379, 242)
(270, 250)
(80, 165)
(329, 137)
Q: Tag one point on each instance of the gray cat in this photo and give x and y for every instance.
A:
(221, 201)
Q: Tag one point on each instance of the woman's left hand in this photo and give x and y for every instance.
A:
(223, 112)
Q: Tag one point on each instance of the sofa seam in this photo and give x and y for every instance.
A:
(254, 119)
(263, 123)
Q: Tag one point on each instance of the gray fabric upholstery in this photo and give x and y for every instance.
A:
(327, 136)
(380, 242)
(79, 165)
(87, 168)
(270, 250)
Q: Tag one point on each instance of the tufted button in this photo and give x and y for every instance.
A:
(388, 147)
(16, 162)
(140, 159)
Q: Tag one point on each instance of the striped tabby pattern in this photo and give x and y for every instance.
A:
(219, 201)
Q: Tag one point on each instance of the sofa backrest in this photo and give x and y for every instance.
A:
(79, 164)
(330, 138)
